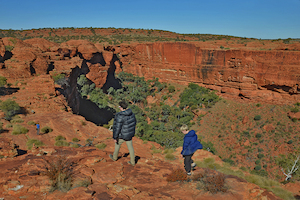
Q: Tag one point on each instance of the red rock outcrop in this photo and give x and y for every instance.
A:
(271, 76)
(260, 75)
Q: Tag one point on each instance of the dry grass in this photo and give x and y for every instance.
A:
(60, 171)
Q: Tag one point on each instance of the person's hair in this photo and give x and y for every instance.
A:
(184, 127)
(123, 104)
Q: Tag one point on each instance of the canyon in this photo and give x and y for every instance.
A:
(246, 73)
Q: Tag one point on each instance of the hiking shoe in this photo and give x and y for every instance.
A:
(189, 173)
(130, 163)
(193, 166)
(111, 157)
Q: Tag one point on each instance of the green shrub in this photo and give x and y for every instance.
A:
(31, 123)
(60, 143)
(168, 151)
(101, 146)
(227, 160)
(260, 155)
(37, 143)
(170, 156)
(59, 79)
(9, 125)
(75, 145)
(46, 129)
(59, 137)
(1, 127)
(75, 139)
(258, 135)
(2, 81)
(16, 119)
(10, 108)
(290, 142)
(295, 109)
(18, 129)
(171, 89)
(257, 117)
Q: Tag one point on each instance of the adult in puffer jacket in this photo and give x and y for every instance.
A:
(123, 131)
(190, 146)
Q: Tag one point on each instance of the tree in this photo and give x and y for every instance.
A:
(10, 108)
(293, 169)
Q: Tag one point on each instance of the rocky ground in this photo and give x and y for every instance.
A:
(30, 68)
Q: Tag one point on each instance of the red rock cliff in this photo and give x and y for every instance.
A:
(258, 75)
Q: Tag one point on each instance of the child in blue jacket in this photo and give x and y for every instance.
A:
(190, 146)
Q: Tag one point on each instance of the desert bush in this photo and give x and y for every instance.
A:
(2, 81)
(36, 142)
(10, 108)
(46, 129)
(168, 151)
(171, 89)
(18, 129)
(155, 150)
(1, 127)
(61, 143)
(9, 125)
(31, 123)
(170, 156)
(295, 109)
(59, 137)
(228, 160)
(260, 155)
(101, 146)
(59, 78)
(215, 182)
(257, 117)
(75, 145)
(16, 119)
(60, 171)
(75, 139)
(177, 175)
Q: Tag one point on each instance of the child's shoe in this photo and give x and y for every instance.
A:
(189, 173)
(193, 166)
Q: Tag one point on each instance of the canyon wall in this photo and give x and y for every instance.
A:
(261, 75)
(271, 76)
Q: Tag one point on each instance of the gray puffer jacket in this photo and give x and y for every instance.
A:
(124, 125)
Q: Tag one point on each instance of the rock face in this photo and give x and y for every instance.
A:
(259, 75)
(271, 76)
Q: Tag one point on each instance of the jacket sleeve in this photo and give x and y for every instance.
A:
(117, 126)
(185, 145)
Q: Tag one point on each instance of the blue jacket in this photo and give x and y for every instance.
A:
(190, 143)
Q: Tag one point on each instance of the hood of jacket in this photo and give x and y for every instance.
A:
(191, 133)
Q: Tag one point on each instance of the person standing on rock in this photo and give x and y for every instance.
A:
(190, 146)
(123, 131)
(37, 128)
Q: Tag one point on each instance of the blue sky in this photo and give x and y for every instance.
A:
(262, 19)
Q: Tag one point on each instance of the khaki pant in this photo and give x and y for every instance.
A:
(130, 149)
